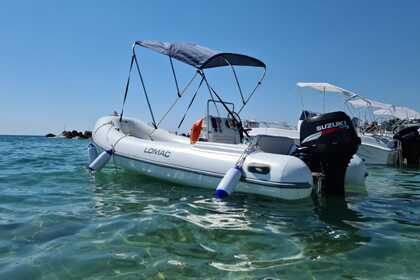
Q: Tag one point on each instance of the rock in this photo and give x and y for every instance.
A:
(87, 134)
(76, 134)
(67, 134)
(50, 135)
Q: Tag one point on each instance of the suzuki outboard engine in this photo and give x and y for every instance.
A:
(410, 144)
(327, 144)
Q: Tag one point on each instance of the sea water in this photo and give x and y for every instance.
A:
(57, 221)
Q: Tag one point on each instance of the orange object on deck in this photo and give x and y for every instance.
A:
(196, 131)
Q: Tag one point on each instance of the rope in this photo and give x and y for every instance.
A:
(249, 97)
(253, 91)
(102, 125)
(177, 99)
(116, 142)
(191, 102)
(252, 147)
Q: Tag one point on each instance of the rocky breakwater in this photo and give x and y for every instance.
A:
(72, 134)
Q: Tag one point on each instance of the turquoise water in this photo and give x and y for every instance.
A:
(59, 222)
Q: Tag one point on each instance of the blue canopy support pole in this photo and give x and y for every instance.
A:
(144, 89)
(127, 85)
(238, 84)
(175, 79)
(236, 79)
(177, 99)
(191, 102)
(253, 91)
(234, 115)
(210, 92)
(219, 98)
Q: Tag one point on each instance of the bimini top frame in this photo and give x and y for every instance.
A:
(201, 58)
(356, 101)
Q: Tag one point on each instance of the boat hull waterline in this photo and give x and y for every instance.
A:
(376, 155)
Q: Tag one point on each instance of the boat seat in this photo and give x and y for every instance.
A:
(276, 144)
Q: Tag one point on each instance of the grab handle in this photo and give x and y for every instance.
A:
(259, 168)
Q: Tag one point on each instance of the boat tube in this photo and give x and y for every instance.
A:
(172, 158)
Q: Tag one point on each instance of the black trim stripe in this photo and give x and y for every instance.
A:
(282, 185)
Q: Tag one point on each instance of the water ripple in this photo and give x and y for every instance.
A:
(59, 222)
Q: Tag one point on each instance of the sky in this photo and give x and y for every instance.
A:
(64, 64)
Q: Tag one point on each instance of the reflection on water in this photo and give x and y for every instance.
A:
(58, 222)
(341, 232)
(239, 234)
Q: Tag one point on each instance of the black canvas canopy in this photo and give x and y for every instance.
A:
(198, 56)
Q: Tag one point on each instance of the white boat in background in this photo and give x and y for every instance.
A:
(372, 150)
(219, 151)
(404, 137)
(406, 134)
(375, 148)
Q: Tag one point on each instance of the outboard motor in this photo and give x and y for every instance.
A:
(327, 144)
(410, 144)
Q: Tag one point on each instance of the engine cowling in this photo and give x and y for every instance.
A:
(410, 144)
(327, 144)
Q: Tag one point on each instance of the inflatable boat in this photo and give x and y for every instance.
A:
(173, 158)
(219, 154)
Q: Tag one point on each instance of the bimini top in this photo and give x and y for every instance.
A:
(357, 101)
(198, 56)
(354, 99)
(362, 102)
(326, 87)
(399, 112)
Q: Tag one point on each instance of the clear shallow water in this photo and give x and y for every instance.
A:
(59, 222)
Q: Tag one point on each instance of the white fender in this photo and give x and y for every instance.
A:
(93, 153)
(229, 182)
(100, 161)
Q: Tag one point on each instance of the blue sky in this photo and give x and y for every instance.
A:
(64, 64)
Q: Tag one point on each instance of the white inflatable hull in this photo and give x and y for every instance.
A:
(203, 164)
(210, 181)
(374, 151)
(376, 155)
